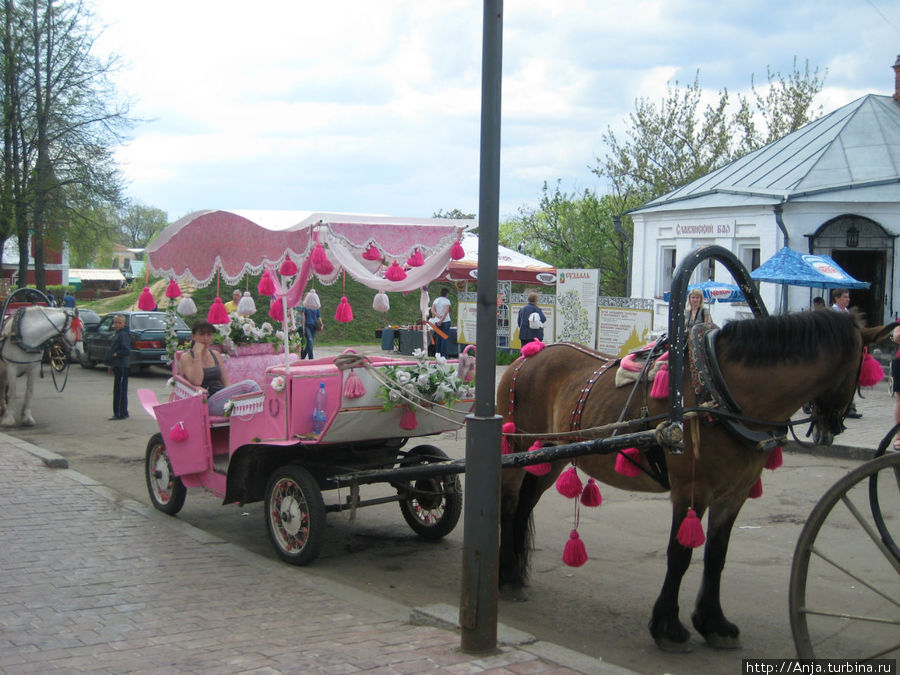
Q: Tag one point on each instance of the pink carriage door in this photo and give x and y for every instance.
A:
(185, 429)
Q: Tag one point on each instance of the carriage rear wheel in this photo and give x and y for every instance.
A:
(845, 579)
(295, 515)
(432, 505)
(167, 492)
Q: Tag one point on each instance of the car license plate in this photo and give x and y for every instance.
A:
(164, 357)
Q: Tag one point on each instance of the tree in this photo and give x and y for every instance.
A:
(139, 224)
(453, 214)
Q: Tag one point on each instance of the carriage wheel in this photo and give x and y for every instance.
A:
(432, 505)
(295, 515)
(167, 492)
(845, 579)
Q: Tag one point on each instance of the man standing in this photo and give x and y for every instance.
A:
(441, 310)
(118, 360)
(69, 300)
(840, 300)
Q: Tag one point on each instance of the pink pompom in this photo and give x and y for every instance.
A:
(574, 554)
(591, 496)
(690, 534)
(353, 387)
(457, 252)
(173, 290)
(146, 301)
(288, 267)
(756, 489)
(266, 285)
(775, 459)
(569, 484)
(661, 384)
(871, 372)
(178, 433)
(408, 419)
(320, 262)
(395, 272)
(276, 309)
(541, 469)
(507, 428)
(217, 313)
(532, 348)
(343, 313)
(416, 259)
(625, 466)
(372, 253)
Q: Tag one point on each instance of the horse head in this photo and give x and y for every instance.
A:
(35, 326)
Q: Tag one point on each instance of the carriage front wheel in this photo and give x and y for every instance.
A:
(845, 579)
(295, 515)
(167, 492)
(431, 506)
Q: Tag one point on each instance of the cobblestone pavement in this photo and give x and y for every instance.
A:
(93, 582)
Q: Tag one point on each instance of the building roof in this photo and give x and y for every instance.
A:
(856, 147)
(86, 274)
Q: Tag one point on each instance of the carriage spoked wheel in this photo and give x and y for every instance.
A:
(432, 505)
(167, 492)
(845, 579)
(295, 515)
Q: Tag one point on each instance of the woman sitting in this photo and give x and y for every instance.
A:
(200, 366)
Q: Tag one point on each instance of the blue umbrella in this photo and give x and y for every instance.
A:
(714, 291)
(813, 271)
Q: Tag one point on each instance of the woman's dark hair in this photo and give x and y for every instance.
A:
(202, 326)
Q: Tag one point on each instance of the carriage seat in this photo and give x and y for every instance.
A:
(242, 367)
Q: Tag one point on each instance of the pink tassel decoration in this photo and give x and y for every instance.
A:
(532, 348)
(755, 489)
(276, 310)
(624, 466)
(776, 459)
(371, 253)
(288, 267)
(173, 290)
(266, 285)
(408, 419)
(457, 252)
(871, 372)
(146, 301)
(343, 313)
(660, 388)
(178, 433)
(353, 387)
(507, 428)
(416, 259)
(541, 469)
(574, 554)
(569, 484)
(591, 496)
(395, 272)
(690, 534)
(217, 313)
(320, 262)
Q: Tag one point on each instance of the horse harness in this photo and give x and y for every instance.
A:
(13, 333)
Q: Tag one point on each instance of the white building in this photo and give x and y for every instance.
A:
(831, 187)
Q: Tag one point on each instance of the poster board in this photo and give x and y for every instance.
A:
(546, 302)
(576, 306)
(623, 324)
(467, 316)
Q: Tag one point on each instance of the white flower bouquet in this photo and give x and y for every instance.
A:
(425, 383)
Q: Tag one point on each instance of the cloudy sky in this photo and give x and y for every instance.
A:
(372, 106)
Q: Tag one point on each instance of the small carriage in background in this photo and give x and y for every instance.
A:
(267, 448)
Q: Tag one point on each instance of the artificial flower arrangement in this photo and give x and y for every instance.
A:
(171, 336)
(243, 331)
(424, 383)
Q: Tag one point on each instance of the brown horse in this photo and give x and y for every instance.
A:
(770, 367)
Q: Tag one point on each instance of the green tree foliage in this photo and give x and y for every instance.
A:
(139, 224)
(453, 214)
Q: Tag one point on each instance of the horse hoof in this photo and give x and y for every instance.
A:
(672, 647)
(7, 422)
(723, 641)
(514, 594)
(28, 422)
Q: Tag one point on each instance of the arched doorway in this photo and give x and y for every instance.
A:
(866, 251)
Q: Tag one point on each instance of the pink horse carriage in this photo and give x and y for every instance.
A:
(266, 448)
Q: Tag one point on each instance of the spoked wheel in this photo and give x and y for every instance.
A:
(167, 492)
(432, 505)
(59, 360)
(295, 515)
(845, 578)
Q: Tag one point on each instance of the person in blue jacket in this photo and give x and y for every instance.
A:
(312, 322)
(528, 332)
(118, 361)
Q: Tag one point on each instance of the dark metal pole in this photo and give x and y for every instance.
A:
(481, 520)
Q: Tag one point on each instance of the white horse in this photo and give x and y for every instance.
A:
(22, 341)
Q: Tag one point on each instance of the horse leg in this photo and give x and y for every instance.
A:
(708, 618)
(9, 418)
(27, 419)
(665, 627)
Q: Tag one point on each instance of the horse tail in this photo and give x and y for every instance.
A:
(516, 531)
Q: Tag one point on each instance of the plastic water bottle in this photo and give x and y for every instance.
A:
(319, 408)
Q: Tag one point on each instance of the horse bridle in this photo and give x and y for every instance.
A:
(71, 320)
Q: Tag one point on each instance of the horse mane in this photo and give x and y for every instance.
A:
(800, 338)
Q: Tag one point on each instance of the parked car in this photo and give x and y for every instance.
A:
(148, 339)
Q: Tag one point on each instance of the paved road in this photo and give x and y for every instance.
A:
(600, 609)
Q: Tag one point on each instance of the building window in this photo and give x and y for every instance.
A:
(667, 269)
